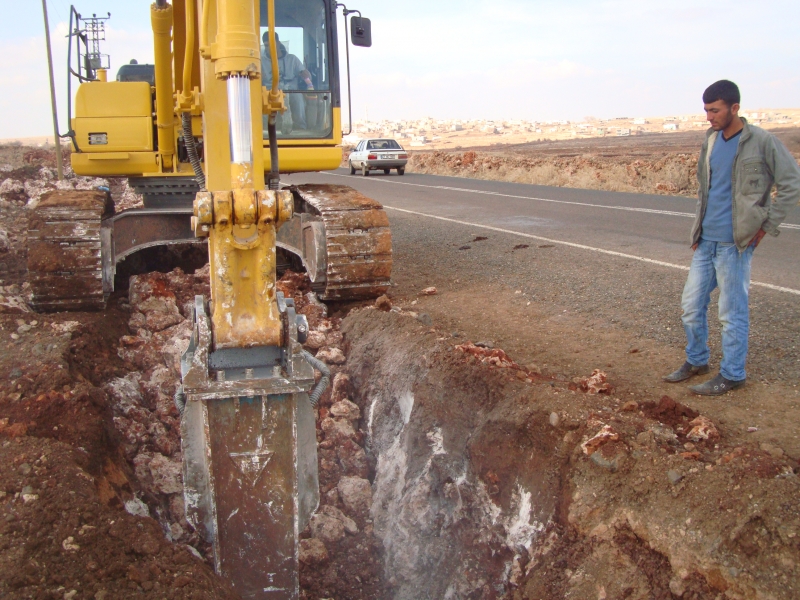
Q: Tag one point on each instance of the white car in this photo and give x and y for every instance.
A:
(377, 154)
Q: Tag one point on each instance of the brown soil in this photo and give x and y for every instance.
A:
(631, 501)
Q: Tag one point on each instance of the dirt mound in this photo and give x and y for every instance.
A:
(665, 173)
(649, 164)
(61, 540)
(71, 509)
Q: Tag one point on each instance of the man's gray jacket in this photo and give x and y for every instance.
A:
(761, 161)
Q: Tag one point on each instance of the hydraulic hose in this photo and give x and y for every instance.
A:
(191, 149)
(273, 45)
(274, 179)
(180, 400)
(204, 25)
(323, 382)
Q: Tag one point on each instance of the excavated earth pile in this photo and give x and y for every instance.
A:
(447, 470)
(673, 174)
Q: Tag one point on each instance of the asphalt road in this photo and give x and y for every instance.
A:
(614, 260)
(649, 227)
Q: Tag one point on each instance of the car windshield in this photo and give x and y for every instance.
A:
(304, 74)
(383, 145)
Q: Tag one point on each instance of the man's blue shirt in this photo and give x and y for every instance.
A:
(718, 220)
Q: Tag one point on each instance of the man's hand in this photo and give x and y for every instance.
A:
(757, 238)
(694, 247)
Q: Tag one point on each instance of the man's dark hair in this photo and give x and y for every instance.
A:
(724, 90)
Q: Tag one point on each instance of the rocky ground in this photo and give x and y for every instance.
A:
(467, 453)
(650, 164)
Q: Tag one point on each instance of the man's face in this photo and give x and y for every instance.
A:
(720, 115)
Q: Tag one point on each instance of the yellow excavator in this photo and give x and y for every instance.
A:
(240, 91)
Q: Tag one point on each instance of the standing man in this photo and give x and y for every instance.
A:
(739, 163)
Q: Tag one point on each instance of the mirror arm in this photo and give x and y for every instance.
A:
(346, 12)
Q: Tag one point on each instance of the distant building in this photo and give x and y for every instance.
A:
(640, 121)
(671, 126)
(623, 132)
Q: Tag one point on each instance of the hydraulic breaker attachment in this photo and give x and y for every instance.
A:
(250, 453)
(248, 429)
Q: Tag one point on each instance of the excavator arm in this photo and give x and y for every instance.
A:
(248, 430)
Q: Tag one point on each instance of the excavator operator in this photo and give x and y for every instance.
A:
(293, 76)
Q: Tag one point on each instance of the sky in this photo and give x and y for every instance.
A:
(479, 59)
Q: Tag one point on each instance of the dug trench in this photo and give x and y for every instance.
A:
(448, 469)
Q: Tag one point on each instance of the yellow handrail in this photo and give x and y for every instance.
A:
(273, 46)
(161, 21)
(204, 25)
(188, 54)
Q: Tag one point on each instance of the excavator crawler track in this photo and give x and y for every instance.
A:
(358, 241)
(65, 268)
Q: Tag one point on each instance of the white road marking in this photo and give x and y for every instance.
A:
(654, 211)
(651, 261)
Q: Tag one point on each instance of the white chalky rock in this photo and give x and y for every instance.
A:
(349, 525)
(312, 552)
(315, 341)
(345, 409)
(337, 430)
(332, 356)
(356, 495)
(326, 528)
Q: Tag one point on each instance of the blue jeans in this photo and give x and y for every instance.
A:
(718, 264)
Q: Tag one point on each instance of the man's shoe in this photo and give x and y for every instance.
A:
(687, 371)
(717, 386)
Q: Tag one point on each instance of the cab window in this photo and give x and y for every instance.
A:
(301, 30)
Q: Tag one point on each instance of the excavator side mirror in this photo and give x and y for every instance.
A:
(361, 31)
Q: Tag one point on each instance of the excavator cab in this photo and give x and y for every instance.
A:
(303, 44)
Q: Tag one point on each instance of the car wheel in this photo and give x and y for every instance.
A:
(387, 171)
(401, 170)
(352, 168)
(364, 170)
